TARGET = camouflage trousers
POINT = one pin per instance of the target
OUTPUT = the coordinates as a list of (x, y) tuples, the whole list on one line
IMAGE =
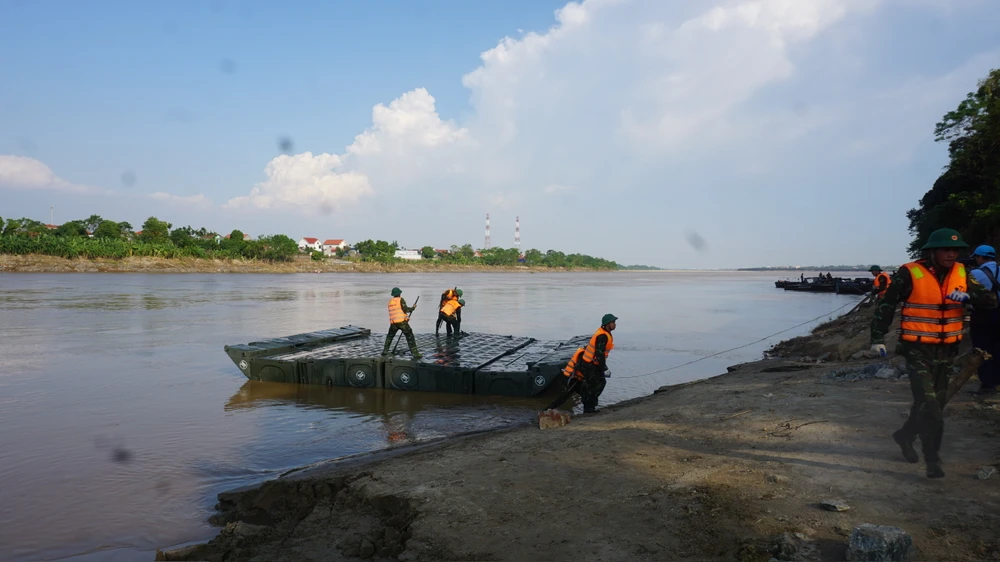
[(929, 368), (592, 386), (407, 332)]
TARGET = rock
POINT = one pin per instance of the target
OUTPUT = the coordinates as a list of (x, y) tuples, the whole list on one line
[(552, 418), (859, 355), (777, 478), (886, 373), (796, 547), (834, 505), (878, 543), (825, 357), (986, 472), (367, 549)]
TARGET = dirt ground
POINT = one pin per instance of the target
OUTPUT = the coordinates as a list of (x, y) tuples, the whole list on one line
[(302, 264), (712, 470)]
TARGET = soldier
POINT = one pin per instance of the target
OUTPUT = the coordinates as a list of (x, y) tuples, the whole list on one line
[(450, 313), (933, 293), (593, 364), (450, 294), (881, 282), (399, 321), (985, 324)]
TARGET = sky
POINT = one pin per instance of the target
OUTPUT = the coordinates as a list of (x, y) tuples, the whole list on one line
[(681, 134)]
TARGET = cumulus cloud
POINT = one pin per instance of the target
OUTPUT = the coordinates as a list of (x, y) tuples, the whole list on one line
[(306, 181), (683, 111), (21, 172)]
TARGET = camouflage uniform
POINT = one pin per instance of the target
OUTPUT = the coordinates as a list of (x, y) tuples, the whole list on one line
[(594, 380), (404, 327), (928, 365)]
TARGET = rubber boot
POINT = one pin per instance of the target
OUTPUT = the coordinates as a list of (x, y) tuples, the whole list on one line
[(906, 446), (934, 469)]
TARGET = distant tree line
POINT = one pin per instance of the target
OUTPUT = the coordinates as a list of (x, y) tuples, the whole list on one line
[(95, 237), (385, 252), (966, 196)]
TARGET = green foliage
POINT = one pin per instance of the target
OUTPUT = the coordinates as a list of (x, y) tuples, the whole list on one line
[(427, 252), (71, 228), (23, 226), (317, 255), (92, 222), (499, 256), (154, 230), (377, 251), (967, 195), (108, 230), (26, 236)]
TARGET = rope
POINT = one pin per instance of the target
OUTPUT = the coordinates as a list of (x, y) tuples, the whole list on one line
[(740, 347)]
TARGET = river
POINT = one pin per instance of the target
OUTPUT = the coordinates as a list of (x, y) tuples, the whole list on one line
[(121, 417)]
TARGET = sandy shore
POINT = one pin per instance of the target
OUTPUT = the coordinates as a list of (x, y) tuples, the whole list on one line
[(712, 470), (53, 264)]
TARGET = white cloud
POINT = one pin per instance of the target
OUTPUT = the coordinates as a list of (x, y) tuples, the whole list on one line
[(195, 200), (669, 111), (305, 181), (21, 172)]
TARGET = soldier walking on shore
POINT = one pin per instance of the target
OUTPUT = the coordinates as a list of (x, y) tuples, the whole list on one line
[(593, 364), (399, 321), (933, 292)]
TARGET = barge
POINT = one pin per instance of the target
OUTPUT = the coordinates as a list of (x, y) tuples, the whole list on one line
[(472, 363)]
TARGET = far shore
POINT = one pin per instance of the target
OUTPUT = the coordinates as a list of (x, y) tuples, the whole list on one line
[(35, 263)]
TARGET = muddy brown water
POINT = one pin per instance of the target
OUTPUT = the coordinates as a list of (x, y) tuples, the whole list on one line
[(121, 417)]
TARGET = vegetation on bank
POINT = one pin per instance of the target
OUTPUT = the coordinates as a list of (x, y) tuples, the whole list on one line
[(96, 238), (966, 196)]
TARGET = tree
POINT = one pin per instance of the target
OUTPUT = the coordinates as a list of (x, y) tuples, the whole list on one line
[(182, 237), (71, 229), (126, 229), (108, 230), (427, 252), (155, 230), (376, 250), (533, 257), (23, 226), (967, 195), (92, 222)]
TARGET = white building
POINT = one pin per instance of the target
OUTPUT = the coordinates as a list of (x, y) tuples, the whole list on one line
[(409, 255), (310, 244), (331, 246)]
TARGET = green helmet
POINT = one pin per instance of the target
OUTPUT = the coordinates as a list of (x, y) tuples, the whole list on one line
[(461, 302), (458, 291), (944, 238), (396, 291), (875, 269), (607, 319)]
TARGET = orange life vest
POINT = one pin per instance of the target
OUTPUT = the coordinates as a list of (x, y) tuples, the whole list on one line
[(570, 369), (396, 314), (927, 317), (878, 281), (448, 295), (588, 354), (450, 307)]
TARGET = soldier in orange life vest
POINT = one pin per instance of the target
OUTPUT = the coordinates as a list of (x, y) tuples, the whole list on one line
[(449, 295), (933, 292), (448, 314), (399, 321), (882, 281), (593, 364)]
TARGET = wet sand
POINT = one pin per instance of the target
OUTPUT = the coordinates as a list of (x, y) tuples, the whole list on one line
[(711, 470)]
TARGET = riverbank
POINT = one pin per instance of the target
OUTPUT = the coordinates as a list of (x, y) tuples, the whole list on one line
[(727, 468), (35, 263)]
